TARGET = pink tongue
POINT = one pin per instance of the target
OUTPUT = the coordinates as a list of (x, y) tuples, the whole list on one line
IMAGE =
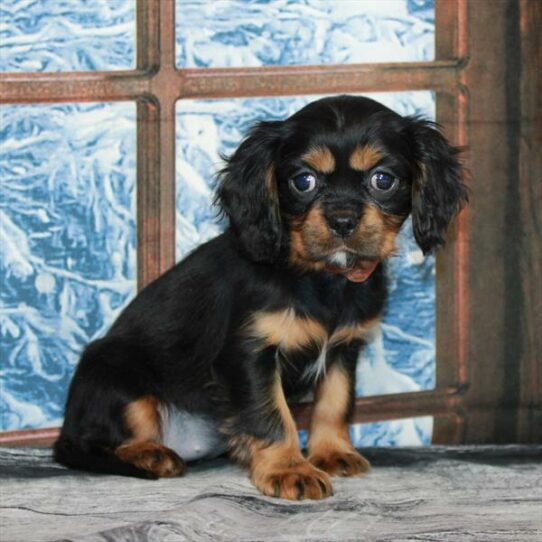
[(360, 273)]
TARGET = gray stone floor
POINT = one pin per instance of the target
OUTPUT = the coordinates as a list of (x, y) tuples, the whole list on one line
[(441, 494)]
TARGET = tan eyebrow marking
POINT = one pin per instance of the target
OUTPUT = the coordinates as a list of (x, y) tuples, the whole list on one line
[(364, 158), (320, 158)]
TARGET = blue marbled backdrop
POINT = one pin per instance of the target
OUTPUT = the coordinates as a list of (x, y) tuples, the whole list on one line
[(270, 32), (67, 207), (67, 35), (67, 265)]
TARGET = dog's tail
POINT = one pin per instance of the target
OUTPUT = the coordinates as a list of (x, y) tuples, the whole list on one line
[(95, 459)]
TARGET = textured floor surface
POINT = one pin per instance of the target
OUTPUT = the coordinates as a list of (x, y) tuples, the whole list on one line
[(440, 494)]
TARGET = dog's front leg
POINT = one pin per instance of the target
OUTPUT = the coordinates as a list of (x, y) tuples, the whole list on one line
[(264, 437), (330, 447)]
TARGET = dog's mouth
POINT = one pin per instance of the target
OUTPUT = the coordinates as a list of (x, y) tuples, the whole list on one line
[(354, 268)]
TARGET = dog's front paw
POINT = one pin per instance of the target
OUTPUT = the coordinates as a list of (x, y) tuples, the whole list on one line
[(294, 481), (338, 462)]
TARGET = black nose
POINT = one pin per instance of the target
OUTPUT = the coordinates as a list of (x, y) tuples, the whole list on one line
[(342, 224)]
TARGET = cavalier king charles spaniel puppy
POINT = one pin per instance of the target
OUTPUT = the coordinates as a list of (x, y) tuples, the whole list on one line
[(207, 358)]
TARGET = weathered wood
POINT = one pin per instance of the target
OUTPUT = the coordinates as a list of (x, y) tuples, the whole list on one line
[(452, 288), (445, 494), (529, 189), (504, 399)]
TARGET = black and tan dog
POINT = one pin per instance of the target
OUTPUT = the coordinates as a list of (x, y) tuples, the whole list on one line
[(206, 358)]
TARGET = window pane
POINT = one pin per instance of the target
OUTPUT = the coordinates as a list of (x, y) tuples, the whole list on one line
[(67, 35), (222, 33), (401, 355), (67, 246), (403, 432)]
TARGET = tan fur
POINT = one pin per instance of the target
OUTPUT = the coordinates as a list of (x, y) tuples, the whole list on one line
[(364, 158), (298, 250), (311, 237), (142, 419), (307, 234), (152, 457), (392, 225), (372, 218), (331, 404), (278, 473), (315, 225), (378, 231), (347, 334), (393, 222), (330, 447), (320, 159), (244, 447), (280, 469), (286, 330)]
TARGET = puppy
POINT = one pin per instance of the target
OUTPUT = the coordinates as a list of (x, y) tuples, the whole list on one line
[(207, 358)]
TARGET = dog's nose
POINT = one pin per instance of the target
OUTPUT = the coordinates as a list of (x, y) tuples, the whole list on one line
[(342, 224)]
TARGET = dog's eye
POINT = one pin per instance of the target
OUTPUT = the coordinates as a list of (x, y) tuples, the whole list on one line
[(305, 182), (383, 182)]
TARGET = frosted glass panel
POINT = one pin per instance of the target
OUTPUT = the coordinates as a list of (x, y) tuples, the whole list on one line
[(67, 246), (222, 33), (401, 354), (67, 35), (403, 432)]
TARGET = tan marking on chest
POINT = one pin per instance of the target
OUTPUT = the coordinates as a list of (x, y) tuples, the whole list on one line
[(347, 334), (286, 329)]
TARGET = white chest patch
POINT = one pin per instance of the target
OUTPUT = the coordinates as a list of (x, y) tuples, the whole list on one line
[(192, 436), (318, 368)]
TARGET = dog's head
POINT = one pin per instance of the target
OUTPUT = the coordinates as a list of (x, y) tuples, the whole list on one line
[(331, 186)]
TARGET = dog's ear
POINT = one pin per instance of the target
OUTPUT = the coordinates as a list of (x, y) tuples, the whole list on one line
[(247, 192), (438, 192)]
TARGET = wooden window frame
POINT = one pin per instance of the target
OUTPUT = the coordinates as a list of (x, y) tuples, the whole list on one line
[(469, 105)]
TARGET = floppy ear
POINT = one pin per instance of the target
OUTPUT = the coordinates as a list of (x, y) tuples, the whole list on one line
[(247, 193), (438, 192)]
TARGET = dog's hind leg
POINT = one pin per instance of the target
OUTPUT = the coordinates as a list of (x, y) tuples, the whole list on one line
[(113, 415), (144, 450)]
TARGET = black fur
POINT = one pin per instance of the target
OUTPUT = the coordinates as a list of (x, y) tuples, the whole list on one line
[(181, 338), (244, 197), (439, 192)]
